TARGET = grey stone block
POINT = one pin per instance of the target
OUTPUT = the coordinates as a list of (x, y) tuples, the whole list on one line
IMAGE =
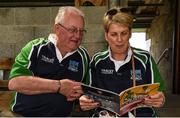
[(54, 11), (6, 16), (32, 16), (42, 31), (94, 14), (95, 33), (93, 48), (16, 34)]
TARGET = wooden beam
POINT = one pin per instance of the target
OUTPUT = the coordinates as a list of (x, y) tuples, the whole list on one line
[(142, 3), (35, 3), (4, 85)]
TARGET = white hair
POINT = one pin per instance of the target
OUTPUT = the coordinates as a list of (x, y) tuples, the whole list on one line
[(60, 15)]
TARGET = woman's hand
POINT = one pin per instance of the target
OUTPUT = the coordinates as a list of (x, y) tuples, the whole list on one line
[(87, 103), (156, 100)]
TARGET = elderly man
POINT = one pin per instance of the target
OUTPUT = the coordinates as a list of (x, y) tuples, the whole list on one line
[(48, 72)]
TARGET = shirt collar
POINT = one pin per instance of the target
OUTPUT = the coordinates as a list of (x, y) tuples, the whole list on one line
[(127, 59), (53, 38)]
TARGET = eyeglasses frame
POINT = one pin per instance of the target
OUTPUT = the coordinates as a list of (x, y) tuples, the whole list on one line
[(73, 30)]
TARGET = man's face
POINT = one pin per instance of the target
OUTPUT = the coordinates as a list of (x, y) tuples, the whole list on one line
[(118, 39), (69, 33)]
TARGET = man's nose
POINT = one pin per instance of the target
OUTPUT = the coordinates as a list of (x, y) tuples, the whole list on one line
[(78, 33)]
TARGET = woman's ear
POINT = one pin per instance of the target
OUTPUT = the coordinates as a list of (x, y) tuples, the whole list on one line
[(106, 36), (130, 34)]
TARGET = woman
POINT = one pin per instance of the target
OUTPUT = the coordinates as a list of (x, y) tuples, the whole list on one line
[(112, 69)]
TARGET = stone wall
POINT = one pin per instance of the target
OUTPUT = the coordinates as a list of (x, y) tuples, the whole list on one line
[(161, 35), (94, 40), (20, 25)]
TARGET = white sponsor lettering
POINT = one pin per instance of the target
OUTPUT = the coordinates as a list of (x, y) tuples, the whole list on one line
[(46, 59), (107, 71)]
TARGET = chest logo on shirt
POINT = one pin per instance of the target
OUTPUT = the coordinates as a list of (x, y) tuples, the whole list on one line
[(107, 71), (47, 59), (138, 74), (73, 66)]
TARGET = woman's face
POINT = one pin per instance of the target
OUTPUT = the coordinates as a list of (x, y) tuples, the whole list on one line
[(118, 39)]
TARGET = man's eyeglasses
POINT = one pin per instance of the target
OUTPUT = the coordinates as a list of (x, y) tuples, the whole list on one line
[(73, 29)]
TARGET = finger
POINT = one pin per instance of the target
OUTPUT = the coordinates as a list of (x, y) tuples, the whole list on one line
[(77, 89), (75, 95), (77, 83), (90, 106), (157, 95), (154, 103), (152, 100), (87, 100), (71, 99)]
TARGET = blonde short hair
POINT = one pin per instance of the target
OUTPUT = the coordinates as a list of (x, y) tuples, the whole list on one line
[(117, 15)]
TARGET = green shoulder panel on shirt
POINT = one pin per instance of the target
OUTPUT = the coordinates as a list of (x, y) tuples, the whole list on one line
[(85, 59), (141, 55), (157, 76), (22, 62), (100, 56), (145, 56)]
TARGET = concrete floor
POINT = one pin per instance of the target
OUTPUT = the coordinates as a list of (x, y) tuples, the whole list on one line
[(5, 98), (171, 107)]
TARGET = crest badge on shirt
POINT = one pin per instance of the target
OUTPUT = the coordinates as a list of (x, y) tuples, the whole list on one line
[(138, 74), (73, 66)]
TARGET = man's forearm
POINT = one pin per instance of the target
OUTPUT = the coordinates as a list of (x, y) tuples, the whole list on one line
[(33, 85)]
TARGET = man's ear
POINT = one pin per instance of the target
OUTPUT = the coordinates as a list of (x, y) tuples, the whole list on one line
[(55, 28)]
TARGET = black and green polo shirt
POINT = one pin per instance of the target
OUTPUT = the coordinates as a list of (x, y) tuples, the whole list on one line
[(38, 58), (103, 74)]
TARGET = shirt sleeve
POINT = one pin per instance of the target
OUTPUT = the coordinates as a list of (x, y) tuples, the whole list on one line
[(85, 62), (22, 62), (156, 74)]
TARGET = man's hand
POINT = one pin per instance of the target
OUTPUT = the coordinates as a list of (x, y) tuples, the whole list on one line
[(71, 89), (156, 100)]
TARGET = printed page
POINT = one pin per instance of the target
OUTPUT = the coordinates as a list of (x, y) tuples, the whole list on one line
[(134, 96), (108, 99)]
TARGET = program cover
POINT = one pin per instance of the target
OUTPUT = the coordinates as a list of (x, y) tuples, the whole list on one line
[(133, 97), (108, 99), (127, 100)]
